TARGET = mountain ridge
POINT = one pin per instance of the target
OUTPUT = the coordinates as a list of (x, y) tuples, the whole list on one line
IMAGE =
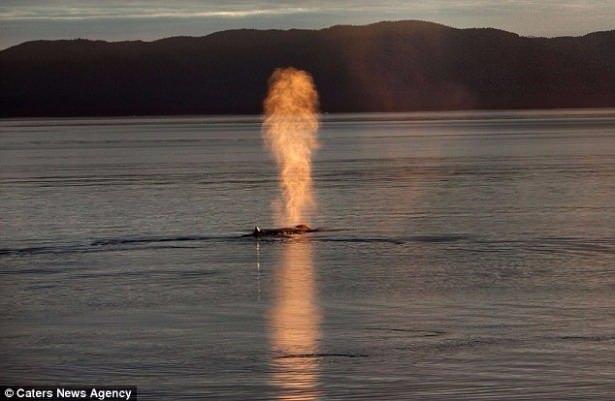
[(386, 66)]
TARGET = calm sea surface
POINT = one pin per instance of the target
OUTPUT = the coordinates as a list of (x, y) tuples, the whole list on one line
[(463, 256)]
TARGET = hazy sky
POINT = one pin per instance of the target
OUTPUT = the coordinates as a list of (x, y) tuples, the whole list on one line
[(22, 20)]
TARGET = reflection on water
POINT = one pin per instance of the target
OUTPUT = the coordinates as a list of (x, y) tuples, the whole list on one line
[(295, 325), (258, 270), (470, 256)]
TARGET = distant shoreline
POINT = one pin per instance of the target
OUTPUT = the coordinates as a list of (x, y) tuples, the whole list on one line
[(418, 116)]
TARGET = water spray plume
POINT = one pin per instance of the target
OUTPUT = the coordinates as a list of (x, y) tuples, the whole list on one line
[(289, 130)]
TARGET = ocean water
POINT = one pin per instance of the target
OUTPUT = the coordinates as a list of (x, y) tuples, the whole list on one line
[(462, 256)]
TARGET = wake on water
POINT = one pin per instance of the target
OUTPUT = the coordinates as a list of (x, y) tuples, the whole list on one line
[(453, 241)]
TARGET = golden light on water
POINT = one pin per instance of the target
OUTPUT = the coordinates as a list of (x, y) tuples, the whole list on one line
[(295, 325), (289, 130)]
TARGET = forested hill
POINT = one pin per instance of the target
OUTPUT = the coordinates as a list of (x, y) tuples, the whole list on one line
[(387, 66)]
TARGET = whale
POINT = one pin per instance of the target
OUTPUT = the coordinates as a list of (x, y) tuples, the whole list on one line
[(280, 232)]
